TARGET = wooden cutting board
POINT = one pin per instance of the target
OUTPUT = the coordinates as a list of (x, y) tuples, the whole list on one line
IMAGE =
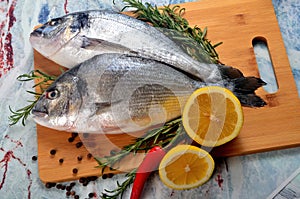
[(236, 24)]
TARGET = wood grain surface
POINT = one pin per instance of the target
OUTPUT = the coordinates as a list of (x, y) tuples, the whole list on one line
[(236, 24)]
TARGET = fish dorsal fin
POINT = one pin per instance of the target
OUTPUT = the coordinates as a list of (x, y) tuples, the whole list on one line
[(95, 43)]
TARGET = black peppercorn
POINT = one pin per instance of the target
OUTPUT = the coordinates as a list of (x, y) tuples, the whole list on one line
[(52, 151), (79, 144), (73, 193), (89, 155), (34, 158), (68, 188), (74, 135), (85, 183), (82, 180), (92, 178), (50, 184), (63, 187), (70, 139), (61, 160), (104, 176), (59, 186), (110, 175), (91, 195), (79, 158), (75, 170), (68, 193), (72, 184), (76, 197)]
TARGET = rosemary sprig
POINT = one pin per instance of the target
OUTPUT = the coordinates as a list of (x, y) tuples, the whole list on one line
[(163, 136), (121, 188), (43, 82), (171, 18)]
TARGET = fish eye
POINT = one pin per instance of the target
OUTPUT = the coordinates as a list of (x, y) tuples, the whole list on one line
[(52, 94), (52, 23), (55, 22)]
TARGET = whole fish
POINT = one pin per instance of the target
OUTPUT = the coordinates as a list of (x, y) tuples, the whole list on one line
[(114, 93), (76, 37)]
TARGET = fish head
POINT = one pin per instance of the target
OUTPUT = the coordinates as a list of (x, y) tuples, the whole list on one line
[(59, 105), (49, 38)]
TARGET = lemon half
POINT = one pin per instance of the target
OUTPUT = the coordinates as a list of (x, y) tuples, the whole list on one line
[(212, 116), (186, 167)]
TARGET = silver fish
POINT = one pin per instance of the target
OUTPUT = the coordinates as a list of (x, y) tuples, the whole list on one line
[(76, 37), (114, 93)]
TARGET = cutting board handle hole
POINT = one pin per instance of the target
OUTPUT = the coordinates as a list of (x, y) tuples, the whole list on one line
[(265, 64)]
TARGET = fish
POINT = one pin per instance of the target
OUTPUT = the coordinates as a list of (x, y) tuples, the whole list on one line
[(116, 93), (73, 38)]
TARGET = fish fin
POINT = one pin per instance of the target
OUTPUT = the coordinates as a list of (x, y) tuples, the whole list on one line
[(244, 89), (94, 43), (102, 107), (250, 100), (248, 84), (229, 72)]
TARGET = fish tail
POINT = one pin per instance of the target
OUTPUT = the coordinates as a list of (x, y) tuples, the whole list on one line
[(243, 87)]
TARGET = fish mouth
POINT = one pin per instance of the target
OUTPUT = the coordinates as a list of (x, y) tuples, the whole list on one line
[(40, 113), (36, 33), (39, 40)]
